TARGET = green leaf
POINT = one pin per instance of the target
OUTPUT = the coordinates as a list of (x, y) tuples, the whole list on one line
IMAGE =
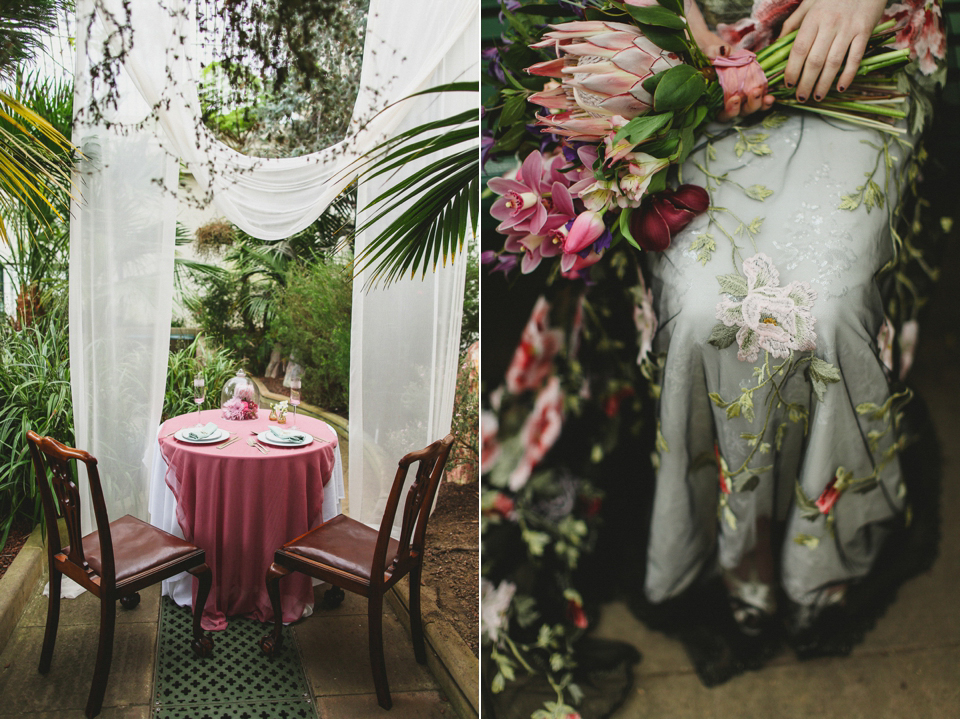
[(747, 485), (640, 128), (758, 192), (666, 38), (623, 222), (659, 16), (805, 540), (808, 509), (675, 6), (717, 400), (733, 284), (722, 336), (704, 246), (680, 87), (514, 108), (658, 182)]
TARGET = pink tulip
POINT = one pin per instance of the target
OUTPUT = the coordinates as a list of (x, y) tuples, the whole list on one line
[(586, 230), (571, 266)]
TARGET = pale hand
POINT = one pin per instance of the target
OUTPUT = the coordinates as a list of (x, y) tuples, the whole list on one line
[(828, 31)]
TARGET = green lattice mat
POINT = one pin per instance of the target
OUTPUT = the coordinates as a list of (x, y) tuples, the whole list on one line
[(237, 682)]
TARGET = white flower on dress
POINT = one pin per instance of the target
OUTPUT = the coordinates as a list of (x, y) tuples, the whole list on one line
[(494, 602), (770, 318)]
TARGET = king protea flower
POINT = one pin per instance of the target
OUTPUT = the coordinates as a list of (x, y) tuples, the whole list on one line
[(602, 66)]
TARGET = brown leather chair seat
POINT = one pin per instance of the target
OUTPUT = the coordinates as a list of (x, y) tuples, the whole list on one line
[(138, 547), (344, 544)]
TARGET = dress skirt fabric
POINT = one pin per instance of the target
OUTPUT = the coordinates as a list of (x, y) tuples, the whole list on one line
[(774, 399)]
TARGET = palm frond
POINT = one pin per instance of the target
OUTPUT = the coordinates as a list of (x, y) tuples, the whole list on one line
[(34, 161), (437, 204)]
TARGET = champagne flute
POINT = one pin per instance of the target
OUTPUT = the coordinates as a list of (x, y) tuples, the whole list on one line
[(199, 394), (294, 399)]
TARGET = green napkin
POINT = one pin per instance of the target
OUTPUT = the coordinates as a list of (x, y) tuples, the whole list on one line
[(201, 433), (285, 435)]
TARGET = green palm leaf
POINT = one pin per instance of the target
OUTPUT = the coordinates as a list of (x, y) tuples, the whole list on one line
[(437, 204)]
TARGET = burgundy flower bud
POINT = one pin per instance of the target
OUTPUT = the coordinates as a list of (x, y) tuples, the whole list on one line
[(649, 229), (691, 197), (662, 215)]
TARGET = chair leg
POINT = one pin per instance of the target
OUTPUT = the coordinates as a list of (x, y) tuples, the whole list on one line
[(53, 620), (108, 620), (270, 643), (416, 623), (375, 620), (202, 644)]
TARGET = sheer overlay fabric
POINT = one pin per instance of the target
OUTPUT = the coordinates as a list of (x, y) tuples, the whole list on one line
[(739, 441)]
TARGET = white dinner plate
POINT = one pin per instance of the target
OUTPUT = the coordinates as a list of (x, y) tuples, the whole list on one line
[(265, 438), (218, 436)]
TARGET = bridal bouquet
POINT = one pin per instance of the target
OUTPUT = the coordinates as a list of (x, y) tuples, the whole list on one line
[(627, 95)]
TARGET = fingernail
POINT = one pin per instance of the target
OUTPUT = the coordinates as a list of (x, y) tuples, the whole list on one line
[(723, 49), (787, 83), (802, 98), (841, 88), (818, 98)]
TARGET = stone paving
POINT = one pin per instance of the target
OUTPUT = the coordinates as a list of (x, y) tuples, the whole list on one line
[(909, 665), (334, 648)]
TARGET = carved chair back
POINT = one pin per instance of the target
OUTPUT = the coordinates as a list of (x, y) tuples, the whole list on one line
[(416, 509), (60, 496)]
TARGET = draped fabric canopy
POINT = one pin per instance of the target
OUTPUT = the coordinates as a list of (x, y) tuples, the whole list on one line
[(123, 224)]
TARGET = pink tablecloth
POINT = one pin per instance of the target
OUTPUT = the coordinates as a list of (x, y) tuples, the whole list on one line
[(240, 506)]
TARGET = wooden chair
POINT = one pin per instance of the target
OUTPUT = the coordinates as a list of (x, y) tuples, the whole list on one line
[(115, 562), (353, 556)]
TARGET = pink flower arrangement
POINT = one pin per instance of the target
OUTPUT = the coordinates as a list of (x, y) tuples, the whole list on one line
[(771, 318), (237, 408), (533, 359)]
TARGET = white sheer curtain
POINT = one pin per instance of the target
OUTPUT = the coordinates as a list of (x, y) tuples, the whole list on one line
[(122, 224), (405, 338)]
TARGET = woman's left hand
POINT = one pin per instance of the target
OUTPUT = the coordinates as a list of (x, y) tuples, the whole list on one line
[(828, 31)]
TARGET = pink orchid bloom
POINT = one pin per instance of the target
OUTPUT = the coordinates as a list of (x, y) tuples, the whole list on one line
[(537, 200), (586, 230), (756, 31), (489, 446), (533, 359), (540, 432), (645, 320), (922, 31)]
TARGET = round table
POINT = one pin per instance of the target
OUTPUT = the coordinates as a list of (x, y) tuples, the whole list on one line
[(240, 505)]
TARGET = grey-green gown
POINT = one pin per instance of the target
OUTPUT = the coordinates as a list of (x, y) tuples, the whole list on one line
[(838, 253)]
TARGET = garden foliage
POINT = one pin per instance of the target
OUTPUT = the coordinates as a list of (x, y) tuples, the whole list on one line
[(313, 325)]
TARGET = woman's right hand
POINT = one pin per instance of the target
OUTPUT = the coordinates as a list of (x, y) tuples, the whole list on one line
[(747, 102)]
